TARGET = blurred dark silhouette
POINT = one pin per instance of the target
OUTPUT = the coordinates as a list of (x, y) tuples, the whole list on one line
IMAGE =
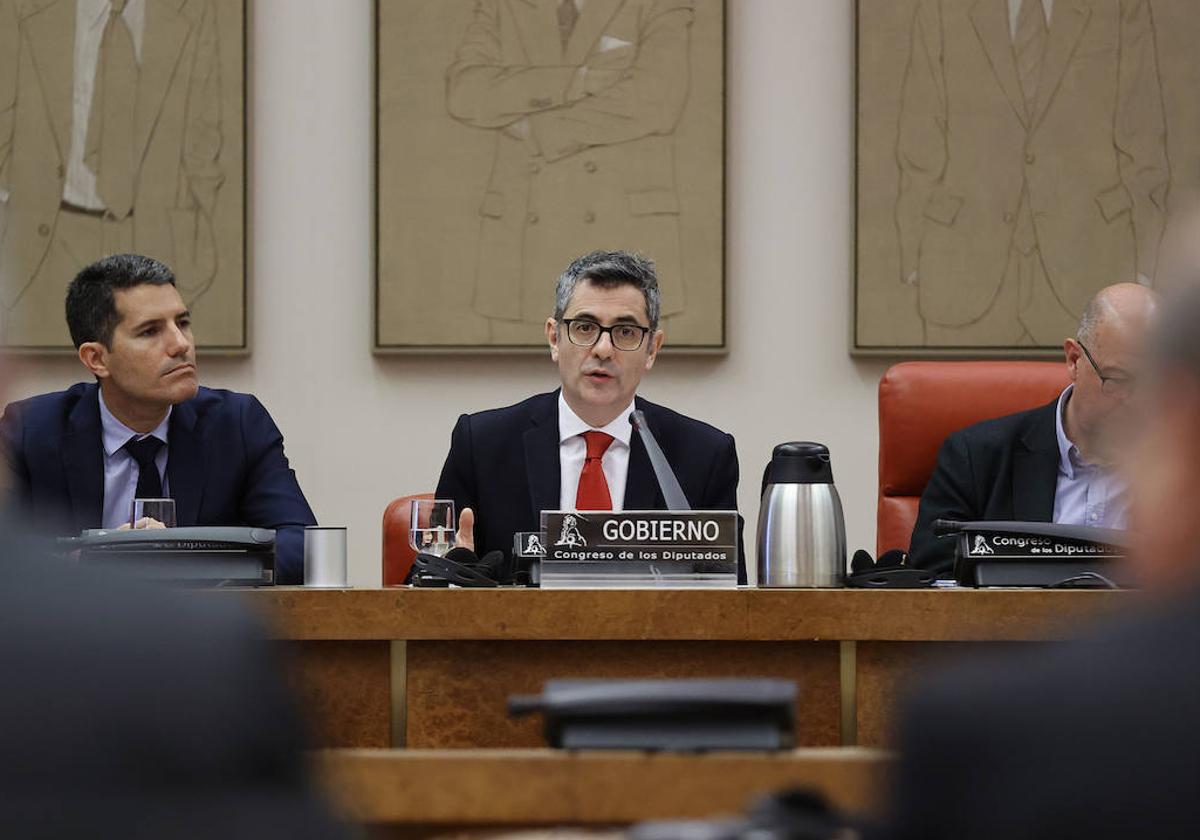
[(133, 711)]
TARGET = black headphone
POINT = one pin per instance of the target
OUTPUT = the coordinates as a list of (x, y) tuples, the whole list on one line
[(461, 567), (891, 571)]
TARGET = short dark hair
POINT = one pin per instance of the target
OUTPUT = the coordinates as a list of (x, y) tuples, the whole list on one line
[(91, 306), (608, 269)]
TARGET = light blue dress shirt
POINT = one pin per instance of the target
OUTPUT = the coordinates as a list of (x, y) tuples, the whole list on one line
[(120, 470), (1085, 494)]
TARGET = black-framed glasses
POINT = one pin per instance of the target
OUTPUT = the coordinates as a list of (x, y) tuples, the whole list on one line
[(585, 332), (1112, 386)]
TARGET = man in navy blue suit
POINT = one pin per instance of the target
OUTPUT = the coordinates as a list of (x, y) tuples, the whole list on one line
[(574, 449), (145, 429)]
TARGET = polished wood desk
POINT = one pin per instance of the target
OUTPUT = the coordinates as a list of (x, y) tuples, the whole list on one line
[(429, 792), (433, 668)]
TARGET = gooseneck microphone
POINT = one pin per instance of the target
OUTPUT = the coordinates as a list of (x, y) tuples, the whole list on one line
[(667, 482)]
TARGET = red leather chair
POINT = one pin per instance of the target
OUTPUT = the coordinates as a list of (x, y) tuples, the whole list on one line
[(920, 403), (398, 555)]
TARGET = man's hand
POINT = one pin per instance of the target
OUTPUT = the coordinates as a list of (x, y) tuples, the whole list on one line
[(146, 522), (466, 530)]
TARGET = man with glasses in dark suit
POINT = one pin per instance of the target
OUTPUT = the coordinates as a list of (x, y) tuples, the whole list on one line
[(1054, 463), (574, 448)]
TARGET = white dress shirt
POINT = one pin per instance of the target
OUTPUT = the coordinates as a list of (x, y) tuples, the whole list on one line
[(91, 16), (120, 470), (572, 452), (1014, 11)]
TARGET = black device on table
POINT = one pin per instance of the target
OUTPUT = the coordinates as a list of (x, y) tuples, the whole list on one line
[(194, 556), (665, 715), (1036, 554)]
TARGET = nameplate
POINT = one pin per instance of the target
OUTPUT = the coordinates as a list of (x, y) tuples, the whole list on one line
[(639, 548), (641, 536), (992, 546)]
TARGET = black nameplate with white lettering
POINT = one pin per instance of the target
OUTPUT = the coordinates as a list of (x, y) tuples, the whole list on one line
[(680, 547), (988, 545)]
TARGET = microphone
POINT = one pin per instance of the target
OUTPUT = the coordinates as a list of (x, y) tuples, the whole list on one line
[(667, 482), (946, 527)]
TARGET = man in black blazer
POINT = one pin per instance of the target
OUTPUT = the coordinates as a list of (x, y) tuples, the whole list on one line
[(574, 448), (1054, 463), (1094, 739), (77, 458)]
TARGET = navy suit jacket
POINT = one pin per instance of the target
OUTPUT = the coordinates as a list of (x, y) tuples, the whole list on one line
[(225, 466), (503, 464)]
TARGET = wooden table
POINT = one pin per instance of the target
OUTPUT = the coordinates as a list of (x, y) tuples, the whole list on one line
[(426, 792), (433, 668)]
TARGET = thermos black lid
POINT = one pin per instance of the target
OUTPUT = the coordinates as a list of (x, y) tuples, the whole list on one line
[(799, 462)]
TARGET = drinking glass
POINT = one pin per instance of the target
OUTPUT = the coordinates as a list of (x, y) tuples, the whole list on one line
[(432, 528), (161, 510)]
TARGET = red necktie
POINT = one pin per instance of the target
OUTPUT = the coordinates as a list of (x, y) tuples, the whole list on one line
[(593, 486)]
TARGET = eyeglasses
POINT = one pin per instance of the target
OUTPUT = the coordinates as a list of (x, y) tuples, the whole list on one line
[(1110, 386), (585, 332)]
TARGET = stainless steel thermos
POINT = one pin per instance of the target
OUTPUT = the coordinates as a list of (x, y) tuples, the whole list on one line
[(801, 531)]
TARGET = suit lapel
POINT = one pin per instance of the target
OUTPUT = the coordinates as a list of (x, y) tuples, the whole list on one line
[(990, 19), (162, 45), (537, 27), (1035, 468), (641, 485), (50, 30), (83, 458), (595, 16), (1067, 23), (541, 456), (185, 463)]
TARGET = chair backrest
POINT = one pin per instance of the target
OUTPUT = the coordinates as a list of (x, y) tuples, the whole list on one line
[(398, 555), (921, 403)]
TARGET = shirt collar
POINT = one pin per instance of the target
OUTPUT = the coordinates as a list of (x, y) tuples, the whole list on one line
[(117, 434), (570, 424), (1069, 457)]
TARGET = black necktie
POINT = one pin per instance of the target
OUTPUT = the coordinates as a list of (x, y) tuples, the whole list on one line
[(144, 451)]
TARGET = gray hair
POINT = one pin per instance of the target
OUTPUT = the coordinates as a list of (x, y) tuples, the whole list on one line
[(1094, 315), (608, 269)]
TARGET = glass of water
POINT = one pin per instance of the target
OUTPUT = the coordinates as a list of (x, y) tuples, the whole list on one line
[(432, 528), (159, 510)]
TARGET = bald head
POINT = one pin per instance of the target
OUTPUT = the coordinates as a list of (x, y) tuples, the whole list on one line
[(1103, 363), (1122, 310)]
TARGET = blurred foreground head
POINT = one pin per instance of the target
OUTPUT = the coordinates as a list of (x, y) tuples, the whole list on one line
[(133, 711), (1166, 462)]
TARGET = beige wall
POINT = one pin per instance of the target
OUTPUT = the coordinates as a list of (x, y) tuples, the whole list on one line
[(361, 430)]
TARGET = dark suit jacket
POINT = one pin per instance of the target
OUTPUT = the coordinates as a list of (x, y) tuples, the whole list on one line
[(133, 711), (1094, 739), (225, 466), (1002, 469), (504, 465)]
